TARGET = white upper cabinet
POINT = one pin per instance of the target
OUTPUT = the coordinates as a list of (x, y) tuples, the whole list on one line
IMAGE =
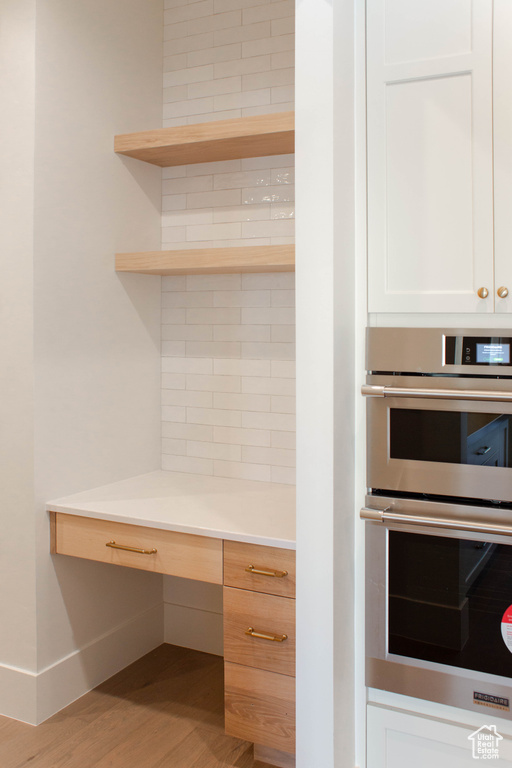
[(430, 155), (502, 88)]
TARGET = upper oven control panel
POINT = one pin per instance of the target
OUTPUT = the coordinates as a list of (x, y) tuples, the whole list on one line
[(439, 351), (477, 350)]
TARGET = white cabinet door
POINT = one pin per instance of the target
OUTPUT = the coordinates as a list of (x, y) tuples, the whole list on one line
[(430, 200), (503, 152), (399, 740)]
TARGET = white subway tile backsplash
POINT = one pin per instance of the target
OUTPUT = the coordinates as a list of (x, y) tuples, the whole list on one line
[(189, 11), (263, 280), (175, 93), (173, 381), (174, 447), (272, 351), (209, 416), (277, 456), (283, 440), (189, 432), (268, 386), (189, 75), (241, 333), (241, 367), (214, 315), (241, 34), (216, 198), (283, 26), (215, 87), (228, 231), (228, 387), (213, 348), (217, 21), (268, 315), (283, 369), (173, 348), (221, 53), (173, 413), (281, 422), (187, 299), (242, 471), (225, 452), (189, 464), (272, 228), (231, 282), (269, 79), (187, 332), (282, 404), (213, 383), (187, 44), (284, 333), (242, 66), (199, 366), (283, 475), (240, 402), (259, 437), (269, 45)]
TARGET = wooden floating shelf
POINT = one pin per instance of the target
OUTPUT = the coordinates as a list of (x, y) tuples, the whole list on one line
[(209, 142), (210, 261)]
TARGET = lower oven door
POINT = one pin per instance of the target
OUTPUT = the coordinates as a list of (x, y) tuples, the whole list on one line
[(439, 604), (455, 440)]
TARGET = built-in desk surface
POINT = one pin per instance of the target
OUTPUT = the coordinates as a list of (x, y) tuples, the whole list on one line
[(236, 510)]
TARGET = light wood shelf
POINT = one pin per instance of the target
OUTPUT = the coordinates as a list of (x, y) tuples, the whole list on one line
[(255, 136), (209, 261)]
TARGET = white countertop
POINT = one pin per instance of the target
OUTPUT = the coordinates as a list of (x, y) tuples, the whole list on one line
[(239, 510)]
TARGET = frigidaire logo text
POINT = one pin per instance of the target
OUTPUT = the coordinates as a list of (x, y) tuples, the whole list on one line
[(488, 700)]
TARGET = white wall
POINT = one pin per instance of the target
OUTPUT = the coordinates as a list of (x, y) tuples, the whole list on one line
[(325, 194), (96, 369), (17, 566)]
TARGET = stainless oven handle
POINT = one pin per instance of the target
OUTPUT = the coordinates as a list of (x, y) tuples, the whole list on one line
[(373, 390), (385, 516)]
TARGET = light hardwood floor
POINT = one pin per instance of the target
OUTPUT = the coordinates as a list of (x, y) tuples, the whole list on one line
[(164, 711)]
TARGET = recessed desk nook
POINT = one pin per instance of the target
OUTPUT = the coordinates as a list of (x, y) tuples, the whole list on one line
[(233, 532)]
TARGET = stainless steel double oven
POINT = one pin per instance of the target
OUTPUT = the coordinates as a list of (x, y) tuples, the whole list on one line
[(439, 515)]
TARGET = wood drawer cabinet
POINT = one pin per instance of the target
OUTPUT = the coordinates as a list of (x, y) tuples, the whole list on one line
[(177, 554), (270, 617), (259, 647), (260, 706), (243, 561)]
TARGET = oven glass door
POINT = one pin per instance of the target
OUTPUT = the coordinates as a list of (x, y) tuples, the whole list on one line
[(445, 447), (450, 601)]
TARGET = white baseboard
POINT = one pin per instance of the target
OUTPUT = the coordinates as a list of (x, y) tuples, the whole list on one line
[(33, 698), (193, 628)]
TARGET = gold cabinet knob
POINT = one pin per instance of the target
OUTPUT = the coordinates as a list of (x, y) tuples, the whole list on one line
[(502, 292), (483, 293)]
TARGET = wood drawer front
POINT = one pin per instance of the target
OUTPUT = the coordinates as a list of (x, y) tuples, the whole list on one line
[(239, 556), (178, 554), (260, 706), (266, 614)]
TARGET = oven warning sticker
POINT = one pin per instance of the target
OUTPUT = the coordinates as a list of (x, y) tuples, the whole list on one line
[(506, 628)]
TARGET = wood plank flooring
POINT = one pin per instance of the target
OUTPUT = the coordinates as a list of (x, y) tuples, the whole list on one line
[(164, 711)]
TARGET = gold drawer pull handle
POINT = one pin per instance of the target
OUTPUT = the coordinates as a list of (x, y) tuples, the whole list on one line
[(277, 574), (131, 549), (264, 636)]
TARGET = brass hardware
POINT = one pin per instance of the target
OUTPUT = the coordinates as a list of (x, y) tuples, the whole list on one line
[(264, 636), (131, 549), (259, 572), (483, 293), (502, 292)]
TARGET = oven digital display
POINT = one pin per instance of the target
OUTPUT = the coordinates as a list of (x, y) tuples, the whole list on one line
[(493, 353)]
